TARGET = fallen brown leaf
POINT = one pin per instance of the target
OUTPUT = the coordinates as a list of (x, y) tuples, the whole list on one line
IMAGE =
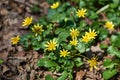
[(80, 75)]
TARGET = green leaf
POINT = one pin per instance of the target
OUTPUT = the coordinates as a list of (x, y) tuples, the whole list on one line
[(36, 47), (78, 62), (113, 38), (113, 51), (51, 14), (70, 76), (58, 30), (82, 4), (68, 65), (103, 46), (82, 25), (93, 15), (81, 47), (41, 62), (64, 76), (1, 61), (43, 45), (52, 56), (49, 77), (67, 46), (115, 41), (103, 33), (109, 74), (63, 35), (49, 63), (108, 63), (115, 3), (42, 21), (26, 40), (55, 16)]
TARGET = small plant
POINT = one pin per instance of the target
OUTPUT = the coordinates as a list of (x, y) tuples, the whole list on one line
[(67, 33)]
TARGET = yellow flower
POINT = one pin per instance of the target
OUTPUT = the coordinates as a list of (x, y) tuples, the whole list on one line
[(85, 38), (91, 34), (93, 63), (74, 42), (74, 33), (27, 21), (64, 53), (81, 13), (15, 40), (51, 45), (37, 29), (55, 5), (109, 25)]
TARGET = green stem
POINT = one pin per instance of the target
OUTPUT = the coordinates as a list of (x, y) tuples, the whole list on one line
[(80, 56), (103, 8)]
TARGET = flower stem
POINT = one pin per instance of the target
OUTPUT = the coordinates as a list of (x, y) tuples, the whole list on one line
[(103, 8), (80, 56)]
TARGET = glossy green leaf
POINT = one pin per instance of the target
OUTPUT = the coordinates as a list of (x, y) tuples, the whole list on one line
[(49, 63), (103, 33), (82, 4), (113, 51), (67, 46), (64, 76), (103, 46), (49, 77), (41, 62), (63, 35), (115, 40), (108, 63), (81, 47), (115, 3), (109, 74), (59, 30), (78, 62)]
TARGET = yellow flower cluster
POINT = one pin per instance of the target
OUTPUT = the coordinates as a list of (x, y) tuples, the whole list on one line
[(51, 45), (89, 36), (93, 63), (64, 53), (81, 13), (74, 34), (55, 5), (37, 29), (27, 21), (15, 40), (109, 25)]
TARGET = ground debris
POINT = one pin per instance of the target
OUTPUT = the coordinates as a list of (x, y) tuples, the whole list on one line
[(80, 75)]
